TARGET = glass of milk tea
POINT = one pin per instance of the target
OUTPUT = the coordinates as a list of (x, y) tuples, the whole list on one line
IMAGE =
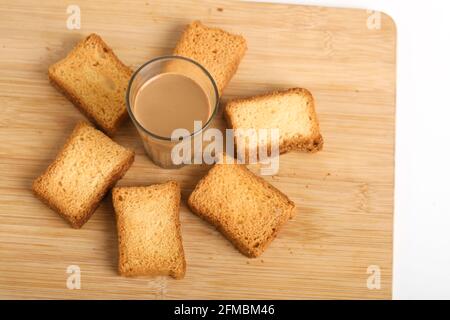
[(170, 100)]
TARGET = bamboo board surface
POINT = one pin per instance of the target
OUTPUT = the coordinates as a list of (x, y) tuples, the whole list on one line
[(344, 194)]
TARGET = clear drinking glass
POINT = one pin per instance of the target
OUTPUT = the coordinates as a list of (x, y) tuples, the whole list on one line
[(159, 148)]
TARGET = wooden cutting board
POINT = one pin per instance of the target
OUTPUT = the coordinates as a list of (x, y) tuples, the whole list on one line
[(344, 194)]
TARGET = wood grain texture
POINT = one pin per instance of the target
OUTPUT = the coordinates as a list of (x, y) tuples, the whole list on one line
[(344, 193)]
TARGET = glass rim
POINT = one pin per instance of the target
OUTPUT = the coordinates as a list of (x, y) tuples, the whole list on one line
[(171, 57)]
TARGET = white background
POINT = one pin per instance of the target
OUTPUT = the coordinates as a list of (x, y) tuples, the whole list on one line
[(422, 196)]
